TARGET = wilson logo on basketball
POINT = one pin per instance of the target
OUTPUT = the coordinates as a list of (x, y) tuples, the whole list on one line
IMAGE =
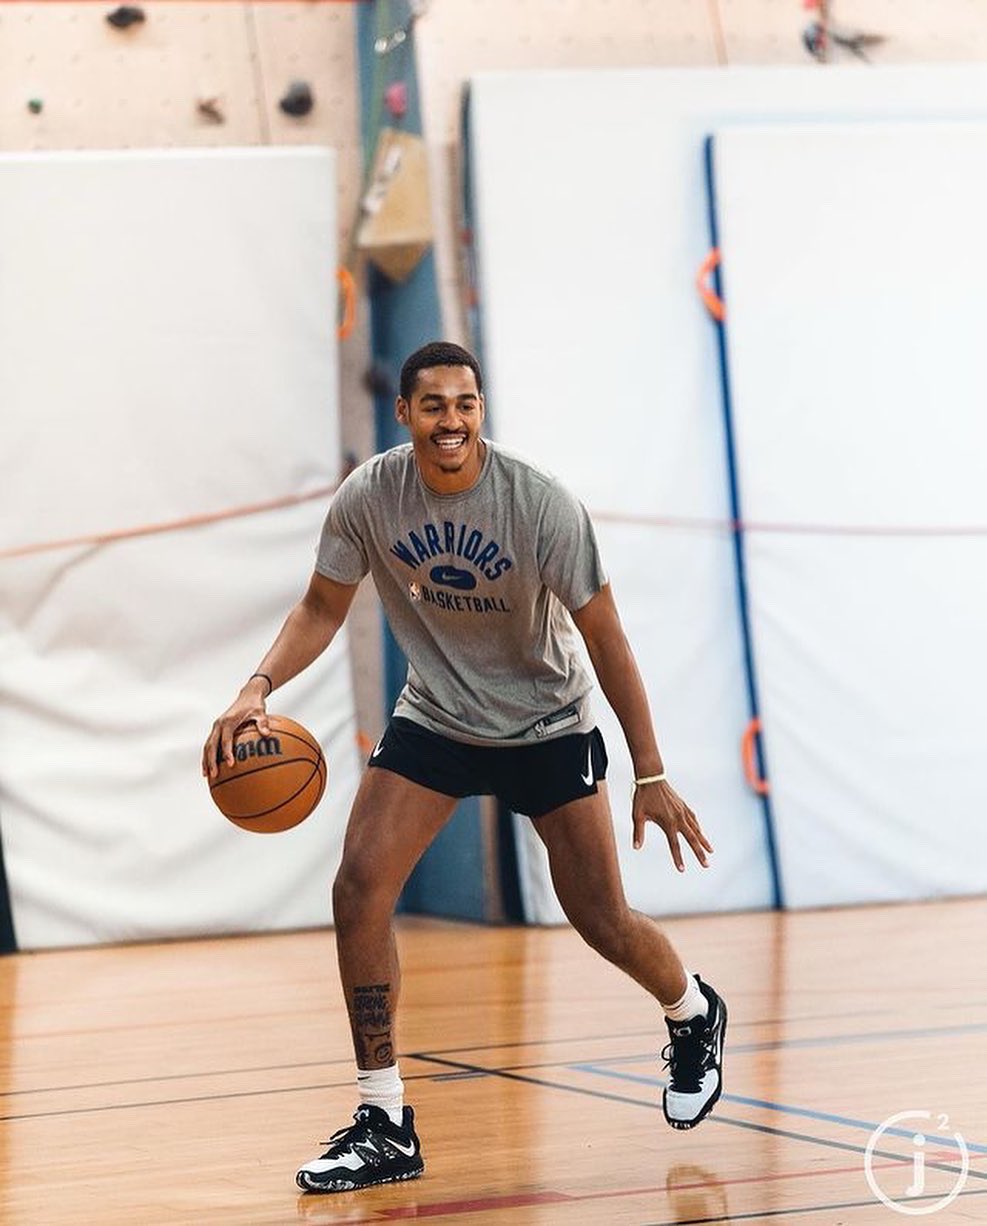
[(275, 780), (263, 747)]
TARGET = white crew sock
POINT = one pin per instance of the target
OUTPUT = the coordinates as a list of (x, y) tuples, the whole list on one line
[(382, 1087), (690, 1004)]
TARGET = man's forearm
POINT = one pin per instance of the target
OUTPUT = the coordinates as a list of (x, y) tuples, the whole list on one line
[(619, 678), (304, 636)]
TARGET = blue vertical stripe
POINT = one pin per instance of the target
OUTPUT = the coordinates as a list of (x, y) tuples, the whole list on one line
[(738, 535)]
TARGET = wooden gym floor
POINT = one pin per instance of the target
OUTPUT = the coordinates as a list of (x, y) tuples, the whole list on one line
[(181, 1083)]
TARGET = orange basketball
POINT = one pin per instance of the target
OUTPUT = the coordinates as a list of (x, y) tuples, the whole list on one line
[(275, 781)]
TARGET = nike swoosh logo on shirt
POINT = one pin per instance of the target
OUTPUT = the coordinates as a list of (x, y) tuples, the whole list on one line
[(588, 777), (452, 576)]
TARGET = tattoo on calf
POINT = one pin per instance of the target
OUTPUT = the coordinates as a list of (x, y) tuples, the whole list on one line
[(372, 1025)]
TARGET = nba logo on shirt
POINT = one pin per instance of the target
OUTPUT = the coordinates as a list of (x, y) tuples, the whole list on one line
[(415, 591)]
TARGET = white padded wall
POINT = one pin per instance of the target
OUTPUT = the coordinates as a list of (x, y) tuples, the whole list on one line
[(592, 364), (853, 268), (591, 224), (167, 349)]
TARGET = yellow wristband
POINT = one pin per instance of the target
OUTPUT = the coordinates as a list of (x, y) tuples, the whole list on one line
[(650, 779)]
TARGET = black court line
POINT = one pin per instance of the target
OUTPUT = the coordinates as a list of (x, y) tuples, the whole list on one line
[(137, 1081), (442, 1051), (449, 1051), (713, 1119), (461, 1072), (215, 1098), (825, 1208), (167, 1102), (347, 1060), (506, 1074), (635, 1058)]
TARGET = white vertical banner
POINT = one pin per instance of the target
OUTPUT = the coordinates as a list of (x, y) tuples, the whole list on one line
[(593, 340), (167, 352), (853, 273)]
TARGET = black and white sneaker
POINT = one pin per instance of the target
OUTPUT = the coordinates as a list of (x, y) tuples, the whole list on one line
[(371, 1151), (694, 1058)]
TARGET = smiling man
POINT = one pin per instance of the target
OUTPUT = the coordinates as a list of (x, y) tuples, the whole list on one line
[(485, 566)]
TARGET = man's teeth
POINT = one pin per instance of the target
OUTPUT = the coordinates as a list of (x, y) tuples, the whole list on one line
[(450, 444)]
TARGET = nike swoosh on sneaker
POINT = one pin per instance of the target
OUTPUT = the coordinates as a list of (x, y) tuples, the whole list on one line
[(588, 777), (408, 1153)]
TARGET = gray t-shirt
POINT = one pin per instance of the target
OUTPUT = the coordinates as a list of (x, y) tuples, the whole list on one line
[(475, 587)]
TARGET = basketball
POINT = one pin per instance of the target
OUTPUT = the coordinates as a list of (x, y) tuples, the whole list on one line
[(275, 781)]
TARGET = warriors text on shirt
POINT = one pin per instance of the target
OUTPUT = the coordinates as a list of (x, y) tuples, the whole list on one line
[(456, 540)]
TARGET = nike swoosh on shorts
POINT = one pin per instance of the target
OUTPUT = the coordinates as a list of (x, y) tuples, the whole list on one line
[(588, 777)]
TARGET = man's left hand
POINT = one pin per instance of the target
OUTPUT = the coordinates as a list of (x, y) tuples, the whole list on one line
[(661, 804)]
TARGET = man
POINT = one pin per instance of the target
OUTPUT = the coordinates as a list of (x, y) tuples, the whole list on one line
[(483, 564)]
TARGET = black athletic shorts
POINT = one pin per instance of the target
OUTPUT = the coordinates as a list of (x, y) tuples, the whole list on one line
[(530, 779)]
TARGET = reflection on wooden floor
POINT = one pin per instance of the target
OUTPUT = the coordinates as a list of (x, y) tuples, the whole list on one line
[(182, 1083)]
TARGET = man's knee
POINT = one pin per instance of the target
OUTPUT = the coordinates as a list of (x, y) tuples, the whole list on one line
[(358, 896), (605, 929)]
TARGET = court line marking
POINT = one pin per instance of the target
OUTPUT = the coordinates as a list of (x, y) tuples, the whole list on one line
[(271, 1068), (787, 1109), (521, 1045), (650, 1104), (718, 1118), (880, 1036), (841, 1040), (466, 1071), (321, 1010), (763, 1213), (896, 1159), (452, 1208)]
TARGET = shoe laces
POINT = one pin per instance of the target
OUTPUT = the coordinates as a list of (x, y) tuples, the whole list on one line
[(345, 1140), (688, 1056)]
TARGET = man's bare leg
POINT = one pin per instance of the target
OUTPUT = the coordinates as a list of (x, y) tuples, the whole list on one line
[(582, 855), (585, 872), (392, 822)]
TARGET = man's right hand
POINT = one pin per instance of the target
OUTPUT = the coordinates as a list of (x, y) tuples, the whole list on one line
[(248, 707)]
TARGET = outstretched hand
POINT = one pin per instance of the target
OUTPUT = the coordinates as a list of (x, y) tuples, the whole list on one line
[(660, 803)]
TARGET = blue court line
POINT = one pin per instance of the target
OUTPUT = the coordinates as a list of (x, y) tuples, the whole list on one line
[(784, 1108), (842, 1040), (880, 1036)]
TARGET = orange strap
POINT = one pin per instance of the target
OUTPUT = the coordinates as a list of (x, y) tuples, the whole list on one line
[(750, 762), (171, 525), (714, 304), (348, 287)]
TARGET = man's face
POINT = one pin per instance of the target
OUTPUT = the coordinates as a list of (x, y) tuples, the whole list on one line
[(444, 415)]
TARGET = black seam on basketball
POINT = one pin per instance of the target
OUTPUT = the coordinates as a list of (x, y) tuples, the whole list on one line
[(254, 770), (250, 817)]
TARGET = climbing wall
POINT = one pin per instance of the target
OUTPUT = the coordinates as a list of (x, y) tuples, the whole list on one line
[(460, 38), (139, 88)]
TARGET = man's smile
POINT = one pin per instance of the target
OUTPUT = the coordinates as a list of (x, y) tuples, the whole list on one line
[(450, 443)]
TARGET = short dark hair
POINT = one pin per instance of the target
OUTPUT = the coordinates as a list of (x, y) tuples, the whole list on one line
[(436, 353)]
